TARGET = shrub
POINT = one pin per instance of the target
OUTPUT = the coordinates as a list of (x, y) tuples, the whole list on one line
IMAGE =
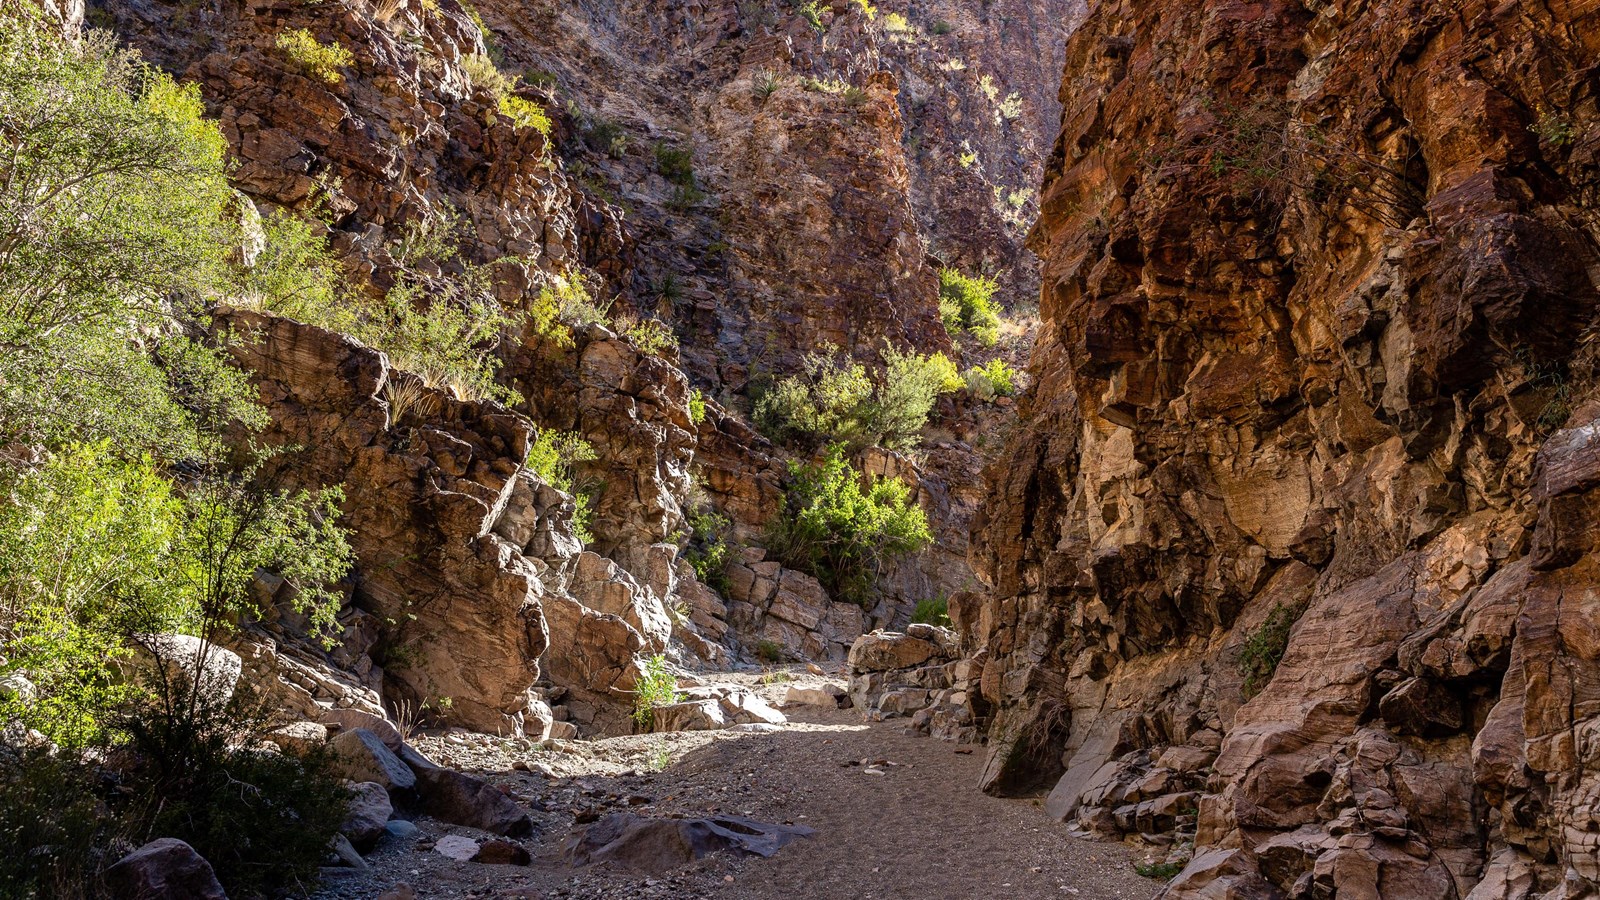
[(765, 82), (448, 344), (991, 380), (769, 651), (709, 551), (842, 533), (1159, 871), (525, 113), (484, 74), (935, 611), (262, 819), (56, 830), (895, 23), (812, 13), (605, 136), (827, 401), (555, 455), (1264, 648), (697, 406), (655, 687), (867, 9), (1553, 128), (967, 304), (967, 160), (676, 164), (1009, 108), (941, 27), (911, 385), (315, 59), (651, 336)]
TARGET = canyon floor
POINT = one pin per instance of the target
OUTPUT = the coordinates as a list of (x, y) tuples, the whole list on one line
[(919, 830)]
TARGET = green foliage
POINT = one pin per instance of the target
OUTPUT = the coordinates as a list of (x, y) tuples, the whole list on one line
[(867, 9), (606, 136), (1159, 871), (827, 401), (812, 13), (934, 611), (834, 400), (485, 75), (655, 687), (318, 60), (555, 455), (896, 23), (911, 385), (769, 651), (697, 406), (448, 344), (95, 550), (1264, 648), (294, 274), (525, 113), (1554, 128), (113, 202), (967, 304), (841, 532), (676, 164), (54, 827), (765, 82), (651, 336), (1009, 108), (993, 379), (709, 550), (941, 27)]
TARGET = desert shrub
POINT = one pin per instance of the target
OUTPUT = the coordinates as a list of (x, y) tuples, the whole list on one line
[(676, 164), (484, 74), (992, 379), (1264, 648), (812, 13), (294, 274), (867, 9), (765, 82), (100, 236), (904, 398), (941, 27), (967, 304), (697, 406), (841, 532), (896, 23), (934, 611), (655, 687), (604, 135), (56, 830), (827, 401), (651, 336), (262, 819), (555, 456), (1159, 871), (709, 550), (316, 59), (769, 651), (525, 113), (448, 344), (1009, 108)]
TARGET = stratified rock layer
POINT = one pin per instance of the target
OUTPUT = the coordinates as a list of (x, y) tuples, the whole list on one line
[(1316, 284)]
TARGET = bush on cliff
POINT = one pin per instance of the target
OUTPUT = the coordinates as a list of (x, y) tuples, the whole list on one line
[(966, 303), (843, 532), (834, 400)]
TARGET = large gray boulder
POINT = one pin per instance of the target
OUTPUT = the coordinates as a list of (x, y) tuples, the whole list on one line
[(164, 869), (360, 755)]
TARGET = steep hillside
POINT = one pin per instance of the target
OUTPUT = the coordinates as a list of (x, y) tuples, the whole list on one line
[(1313, 381)]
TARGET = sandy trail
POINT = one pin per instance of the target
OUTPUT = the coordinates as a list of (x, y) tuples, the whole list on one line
[(919, 831)]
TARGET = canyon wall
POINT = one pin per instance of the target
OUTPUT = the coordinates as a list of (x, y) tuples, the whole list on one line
[(1318, 294)]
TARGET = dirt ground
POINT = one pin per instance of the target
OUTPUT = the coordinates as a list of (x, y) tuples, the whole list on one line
[(918, 831)]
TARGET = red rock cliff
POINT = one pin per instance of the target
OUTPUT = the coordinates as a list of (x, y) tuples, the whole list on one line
[(1318, 286)]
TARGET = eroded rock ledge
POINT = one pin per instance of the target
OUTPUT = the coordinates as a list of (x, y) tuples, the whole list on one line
[(1315, 288)]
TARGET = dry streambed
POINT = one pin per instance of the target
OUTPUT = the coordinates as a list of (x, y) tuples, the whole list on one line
[(893, 815)]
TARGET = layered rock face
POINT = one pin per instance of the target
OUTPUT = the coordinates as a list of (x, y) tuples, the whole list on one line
[(1318, 281)]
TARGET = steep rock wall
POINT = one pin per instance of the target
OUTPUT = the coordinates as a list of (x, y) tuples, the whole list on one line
[(1318, 280)]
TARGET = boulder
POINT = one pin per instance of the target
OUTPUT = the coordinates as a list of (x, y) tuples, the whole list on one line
[(164, 869), (457, 847), (350, 719), (360, 755), (502, 853), (462, 799), (299, 737), (883, 651), (691, 715), (177, 658), (368, 815), (650, 845), (827, 695)]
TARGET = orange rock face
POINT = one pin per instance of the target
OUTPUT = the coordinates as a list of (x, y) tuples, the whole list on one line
[(1317, 280)]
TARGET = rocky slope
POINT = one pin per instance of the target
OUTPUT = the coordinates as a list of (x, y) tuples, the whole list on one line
[(767, 180), (1318, 287)]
